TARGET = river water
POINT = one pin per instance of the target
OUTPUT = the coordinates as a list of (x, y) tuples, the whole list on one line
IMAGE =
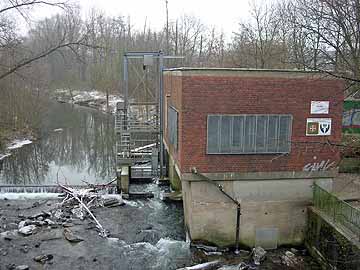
[(75, 144)]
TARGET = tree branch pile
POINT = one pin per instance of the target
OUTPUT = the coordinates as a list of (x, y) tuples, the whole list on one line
[(80, 201)]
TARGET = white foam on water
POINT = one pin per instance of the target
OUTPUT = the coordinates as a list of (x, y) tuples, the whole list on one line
[(131, 203), (163, 255), (45, 195), (29, 196)]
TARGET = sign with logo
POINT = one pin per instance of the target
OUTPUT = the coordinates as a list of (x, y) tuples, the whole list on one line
[(318, 127), (319, 107)]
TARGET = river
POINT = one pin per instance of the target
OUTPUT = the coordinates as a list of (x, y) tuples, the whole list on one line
[(75, 144)]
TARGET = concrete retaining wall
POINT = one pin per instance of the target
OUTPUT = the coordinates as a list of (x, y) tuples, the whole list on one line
[(273, 202)]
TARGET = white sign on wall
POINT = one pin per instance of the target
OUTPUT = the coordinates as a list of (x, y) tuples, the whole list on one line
[(318, 126), (319, 107)]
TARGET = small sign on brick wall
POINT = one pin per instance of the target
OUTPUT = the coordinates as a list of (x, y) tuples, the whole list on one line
[(318, 127), (319, 107)]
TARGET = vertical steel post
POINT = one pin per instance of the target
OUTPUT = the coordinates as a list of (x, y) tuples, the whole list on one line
[(237, 240), (126, 83), (161, 106)]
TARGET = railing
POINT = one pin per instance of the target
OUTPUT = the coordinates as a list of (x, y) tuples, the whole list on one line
[(338, 210)]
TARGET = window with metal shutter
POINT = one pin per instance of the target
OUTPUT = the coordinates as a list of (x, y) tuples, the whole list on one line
[(249, 134)]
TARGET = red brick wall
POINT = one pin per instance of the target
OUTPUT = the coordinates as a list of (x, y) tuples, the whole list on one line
[(173, 94), (197, 96)]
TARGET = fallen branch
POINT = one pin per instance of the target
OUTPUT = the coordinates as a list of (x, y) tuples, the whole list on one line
[(97, 187), (75, 194)]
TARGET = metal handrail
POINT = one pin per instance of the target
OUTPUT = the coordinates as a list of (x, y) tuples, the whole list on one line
[(340, 211)]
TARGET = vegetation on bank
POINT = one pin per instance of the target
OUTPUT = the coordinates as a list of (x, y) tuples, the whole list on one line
[(350, 154)]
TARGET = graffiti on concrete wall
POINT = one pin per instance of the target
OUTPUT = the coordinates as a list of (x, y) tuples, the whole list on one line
[(323, 165)]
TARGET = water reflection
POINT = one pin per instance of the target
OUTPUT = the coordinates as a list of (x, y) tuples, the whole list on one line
[(83, 150)]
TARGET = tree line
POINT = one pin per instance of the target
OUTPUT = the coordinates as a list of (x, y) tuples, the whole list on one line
[(68, 51)]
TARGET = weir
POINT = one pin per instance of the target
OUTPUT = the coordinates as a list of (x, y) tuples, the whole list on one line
[(48, 189)]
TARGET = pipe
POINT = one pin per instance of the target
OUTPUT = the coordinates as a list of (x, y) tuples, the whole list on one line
[(236, 202)]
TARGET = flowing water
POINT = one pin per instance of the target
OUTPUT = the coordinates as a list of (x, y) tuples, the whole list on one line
[(77, 144)]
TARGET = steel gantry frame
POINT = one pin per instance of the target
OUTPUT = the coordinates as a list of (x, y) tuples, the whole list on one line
[(125, 127)]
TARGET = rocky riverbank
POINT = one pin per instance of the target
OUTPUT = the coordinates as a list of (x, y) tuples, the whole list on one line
[(142, 235)]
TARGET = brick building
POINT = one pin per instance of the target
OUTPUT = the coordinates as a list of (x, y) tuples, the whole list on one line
[(264, 135)]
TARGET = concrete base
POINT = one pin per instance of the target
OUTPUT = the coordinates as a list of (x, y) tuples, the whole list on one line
[(174, 178), (274, 204), (125, 179)]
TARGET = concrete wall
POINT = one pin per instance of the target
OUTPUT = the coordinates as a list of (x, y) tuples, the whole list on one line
[(278, 203)]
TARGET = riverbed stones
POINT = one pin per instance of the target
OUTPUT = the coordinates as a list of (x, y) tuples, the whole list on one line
[(27, 230), (22, 224), (43, 258), (71, 237), (22, 267), (258, 255)]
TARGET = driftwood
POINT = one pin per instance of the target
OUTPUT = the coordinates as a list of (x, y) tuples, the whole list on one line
[(97, 187), (204, 266), (79, 195)]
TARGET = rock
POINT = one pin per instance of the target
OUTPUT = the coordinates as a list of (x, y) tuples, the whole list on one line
[(67, 224), (78, 212), (43, 258), (49, 222), (289, 259), (22, 224), (37, 245), (294, 250), (4, 253), (41, 216), (27, 230), (71, 237), (24, 249), (10, 266), (258, 255), (46, 214), (35, 204), (22, 267), (113, 202), (243, 266), (8, 235), (58, 214), (289, 254)]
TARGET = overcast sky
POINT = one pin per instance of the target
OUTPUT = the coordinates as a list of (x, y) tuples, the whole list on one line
[(224, 14)]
